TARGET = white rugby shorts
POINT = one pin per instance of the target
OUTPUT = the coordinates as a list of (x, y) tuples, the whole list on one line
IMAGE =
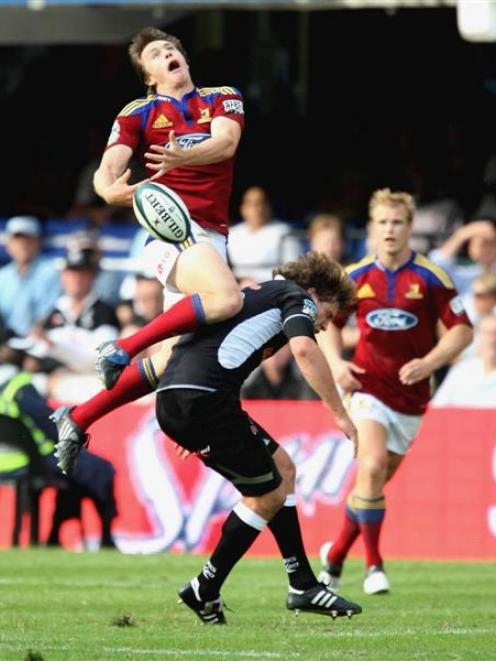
[(401, 428), (160, 257)]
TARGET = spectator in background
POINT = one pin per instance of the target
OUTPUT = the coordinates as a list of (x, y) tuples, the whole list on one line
[(472, 382), (277, 377), (146, 304), (79, 321), (107, 283), (326, 235), (482, 301), (29, 284), (479, 239), (259, 242)]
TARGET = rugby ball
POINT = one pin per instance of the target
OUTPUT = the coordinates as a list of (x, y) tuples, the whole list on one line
[(161, 212)]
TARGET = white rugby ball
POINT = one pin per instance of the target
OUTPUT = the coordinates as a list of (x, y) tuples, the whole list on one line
[(161, 212)]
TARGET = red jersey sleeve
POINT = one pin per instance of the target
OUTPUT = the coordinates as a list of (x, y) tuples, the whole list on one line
[(230, 104), (127, 127), (449, 306)]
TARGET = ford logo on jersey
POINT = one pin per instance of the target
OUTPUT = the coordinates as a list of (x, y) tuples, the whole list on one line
[(391, 319), (190, 140)]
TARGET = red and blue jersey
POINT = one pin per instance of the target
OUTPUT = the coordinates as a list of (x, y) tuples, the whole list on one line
[(205, 189), (397, 316)]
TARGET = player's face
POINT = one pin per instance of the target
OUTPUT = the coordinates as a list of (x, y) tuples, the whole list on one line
[(390, 230), (326, 310), (164, 64)]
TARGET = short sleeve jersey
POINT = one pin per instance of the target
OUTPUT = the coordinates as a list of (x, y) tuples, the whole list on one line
[(221, 356), (397, 315), (205, 189)]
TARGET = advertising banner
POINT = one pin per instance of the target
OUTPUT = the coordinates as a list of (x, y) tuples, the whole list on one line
[(440, 505)]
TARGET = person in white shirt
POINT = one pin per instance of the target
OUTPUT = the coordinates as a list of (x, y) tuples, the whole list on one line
[(259, 243), (471, 383)]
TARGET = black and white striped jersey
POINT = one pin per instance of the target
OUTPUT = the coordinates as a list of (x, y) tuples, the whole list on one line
[(221, 356)]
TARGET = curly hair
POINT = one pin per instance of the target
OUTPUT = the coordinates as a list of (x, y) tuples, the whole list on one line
[(145, 37), (325, 275)]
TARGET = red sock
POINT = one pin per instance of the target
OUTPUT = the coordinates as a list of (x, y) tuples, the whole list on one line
[(183, 317), (347, 535), (370, 514), (136, 380)]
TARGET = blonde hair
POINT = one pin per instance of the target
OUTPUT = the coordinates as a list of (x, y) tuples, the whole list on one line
[(386, 197)]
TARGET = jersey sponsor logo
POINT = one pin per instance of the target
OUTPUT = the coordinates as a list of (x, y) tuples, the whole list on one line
[(190, 140), (114, 133), (456, 305), (161, 122), (365, 291), (204, 116), (414, 291), (310, 309), (391, 319), (234, 106)]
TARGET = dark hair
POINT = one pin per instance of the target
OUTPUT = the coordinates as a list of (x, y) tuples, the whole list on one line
[(325, 275), (145, 37)]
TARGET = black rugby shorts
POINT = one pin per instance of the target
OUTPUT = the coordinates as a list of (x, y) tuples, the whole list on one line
[(225, 438)]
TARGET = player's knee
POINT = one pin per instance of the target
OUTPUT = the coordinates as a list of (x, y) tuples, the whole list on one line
[(287, 470), (272, 502), (374, 467), (230, 302)]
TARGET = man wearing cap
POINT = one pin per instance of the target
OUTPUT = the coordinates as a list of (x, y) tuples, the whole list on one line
[(30, 283), (79, 321)]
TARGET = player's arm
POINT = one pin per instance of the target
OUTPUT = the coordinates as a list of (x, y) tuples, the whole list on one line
[(454, 341), (316, 372), (111, 180), (222, 145), (345, 371)]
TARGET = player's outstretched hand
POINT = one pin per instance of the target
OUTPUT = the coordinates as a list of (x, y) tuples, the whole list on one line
[(161, 159), (121, 192)]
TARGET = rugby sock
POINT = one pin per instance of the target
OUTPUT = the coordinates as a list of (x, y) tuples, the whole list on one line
[(349, 532), (370, 514), (239, 531), (183, 317), (286, 530), (136, 380)]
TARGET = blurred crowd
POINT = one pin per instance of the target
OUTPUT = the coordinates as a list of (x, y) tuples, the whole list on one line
[(54, 313)]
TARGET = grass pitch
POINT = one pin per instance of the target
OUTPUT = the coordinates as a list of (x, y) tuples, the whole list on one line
[(91, 606)]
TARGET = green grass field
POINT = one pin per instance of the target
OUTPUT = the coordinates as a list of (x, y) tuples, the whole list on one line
[(60, 605)]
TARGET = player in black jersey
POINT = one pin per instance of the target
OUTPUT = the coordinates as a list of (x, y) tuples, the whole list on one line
[(198, 405)]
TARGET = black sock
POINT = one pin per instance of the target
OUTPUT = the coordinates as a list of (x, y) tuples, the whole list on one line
[(239, 531), (286, 529)]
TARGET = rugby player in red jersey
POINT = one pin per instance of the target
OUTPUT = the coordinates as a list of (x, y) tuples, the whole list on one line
[(187, 138), (401, 298)]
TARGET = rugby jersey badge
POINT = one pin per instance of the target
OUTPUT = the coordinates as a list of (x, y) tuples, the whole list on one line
[(310, 309)]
